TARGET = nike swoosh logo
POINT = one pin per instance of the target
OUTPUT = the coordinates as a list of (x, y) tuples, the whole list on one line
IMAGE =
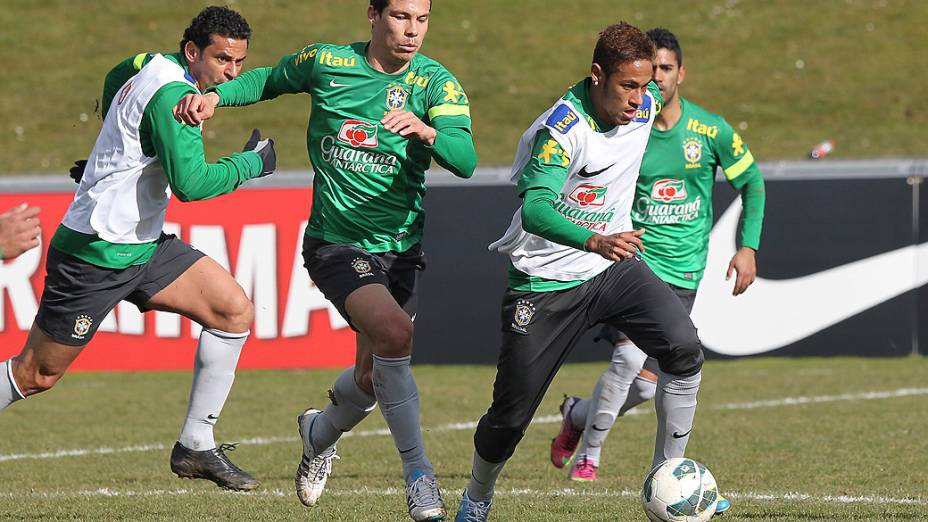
[(587, 174), (333, 84), (803, 305), (680, 435), (212, 417)]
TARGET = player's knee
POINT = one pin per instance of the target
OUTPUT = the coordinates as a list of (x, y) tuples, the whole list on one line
[(496, 441), (37, 380), (393, 337), (235, 314), (685, 358)]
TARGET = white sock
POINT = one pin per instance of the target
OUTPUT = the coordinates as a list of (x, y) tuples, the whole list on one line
[(9, 391), (213, 374), (398, 397), (483, 477), (676, 407), (349, 405), (642, 390), (609, 396)]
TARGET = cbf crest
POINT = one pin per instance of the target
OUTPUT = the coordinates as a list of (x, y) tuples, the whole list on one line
[(692, 150), (396, 97), (361, 266), (523, 315), (82, 326)]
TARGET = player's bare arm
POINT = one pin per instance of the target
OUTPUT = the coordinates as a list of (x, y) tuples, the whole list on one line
[(616, 247), (409, 126), (19, 230), (745, 267)]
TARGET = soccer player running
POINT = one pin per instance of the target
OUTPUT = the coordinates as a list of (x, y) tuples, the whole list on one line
[(575, 259), (380, 113), (673, 205), (110, 245)]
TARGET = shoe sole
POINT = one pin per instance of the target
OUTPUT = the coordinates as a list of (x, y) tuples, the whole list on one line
[(247, 487), (299, 425)]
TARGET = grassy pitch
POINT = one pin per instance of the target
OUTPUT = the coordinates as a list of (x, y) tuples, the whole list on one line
[(788, 439)]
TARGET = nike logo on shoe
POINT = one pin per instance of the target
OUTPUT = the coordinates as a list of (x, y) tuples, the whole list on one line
[(804, 305), (333, 84), (681, 435), (587, 174)]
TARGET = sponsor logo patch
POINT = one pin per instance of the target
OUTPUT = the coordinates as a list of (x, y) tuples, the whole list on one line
[(667, 190), (124, 93), (643, 113), (737, 146), (358, 133), (562, 119), (701, 128), (587, 195)]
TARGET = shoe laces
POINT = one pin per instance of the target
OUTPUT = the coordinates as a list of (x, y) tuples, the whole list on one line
[(584, 468), (475, 510), (221, 453), (423, 491), (321, 466)]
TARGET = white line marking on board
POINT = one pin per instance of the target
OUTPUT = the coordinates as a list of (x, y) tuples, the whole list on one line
[(461, 426), (513, 492)]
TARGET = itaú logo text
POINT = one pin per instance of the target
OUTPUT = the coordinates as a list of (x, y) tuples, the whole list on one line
[(277, 314)]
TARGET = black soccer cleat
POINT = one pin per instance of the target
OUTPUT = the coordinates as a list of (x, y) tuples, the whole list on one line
[(211, 465)]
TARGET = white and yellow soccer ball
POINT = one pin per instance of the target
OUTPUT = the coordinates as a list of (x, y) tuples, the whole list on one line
[(680, 490)]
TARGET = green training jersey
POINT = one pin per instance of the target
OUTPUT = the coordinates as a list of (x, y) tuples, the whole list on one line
[(369, 183), (673, 200)]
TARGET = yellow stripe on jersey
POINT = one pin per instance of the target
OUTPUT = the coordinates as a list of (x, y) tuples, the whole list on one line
[(740, 166), (449, 110), (138, 61)]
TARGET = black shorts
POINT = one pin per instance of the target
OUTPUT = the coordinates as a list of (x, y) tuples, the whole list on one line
[(338, 269), (613, 336), (78, 295)]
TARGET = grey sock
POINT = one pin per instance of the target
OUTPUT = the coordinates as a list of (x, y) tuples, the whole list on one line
[(676, 407), (483, 479), (349, 406), (398, 396), (213, 374), (642, 390), (579, 412), (9, 391), (609, 395)]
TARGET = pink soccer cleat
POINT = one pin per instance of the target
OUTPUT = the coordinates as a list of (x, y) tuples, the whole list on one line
[(582, 471), (564, 445)]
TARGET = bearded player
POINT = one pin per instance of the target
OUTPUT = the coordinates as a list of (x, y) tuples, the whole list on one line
[(673, 205), (380, 113), (575, 263)]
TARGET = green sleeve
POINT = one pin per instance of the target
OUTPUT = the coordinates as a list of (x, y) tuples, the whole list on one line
[(753, 199), (540, 186), (293, 74), (742, 172), (180, 149), (454, 150), (658, 97), (449, 113), (118, 76)]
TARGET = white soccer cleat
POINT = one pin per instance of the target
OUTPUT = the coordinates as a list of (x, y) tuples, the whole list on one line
[(314, 470), (424, 498)]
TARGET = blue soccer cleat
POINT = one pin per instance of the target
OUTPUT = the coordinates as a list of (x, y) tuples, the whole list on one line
[(472, 510), (722, 505)]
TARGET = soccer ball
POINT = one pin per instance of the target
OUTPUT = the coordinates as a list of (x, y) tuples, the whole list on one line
[(679, 490)]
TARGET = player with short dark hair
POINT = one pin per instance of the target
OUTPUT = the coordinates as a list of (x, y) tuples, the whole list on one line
[(380, 113), (110, 245), (575, 259), (673, 204)]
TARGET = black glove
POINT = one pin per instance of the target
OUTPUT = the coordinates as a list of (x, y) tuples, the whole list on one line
[(77, 171), (265, 149)]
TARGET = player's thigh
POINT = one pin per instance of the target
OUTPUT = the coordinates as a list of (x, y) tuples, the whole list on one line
[(538, 331), (206, 293), (384, 324)]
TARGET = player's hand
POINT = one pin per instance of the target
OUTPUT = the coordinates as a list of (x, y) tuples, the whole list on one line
[(616, 247), (194, 109), (745, 266), (77, 171), (19, 230), (265, 149), (409, 126)]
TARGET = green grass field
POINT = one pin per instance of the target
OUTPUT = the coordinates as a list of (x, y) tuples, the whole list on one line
[(788, 439), (786, 74)]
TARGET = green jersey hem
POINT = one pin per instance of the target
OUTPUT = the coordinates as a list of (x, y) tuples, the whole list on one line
[(97, 252), (522, 282)]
